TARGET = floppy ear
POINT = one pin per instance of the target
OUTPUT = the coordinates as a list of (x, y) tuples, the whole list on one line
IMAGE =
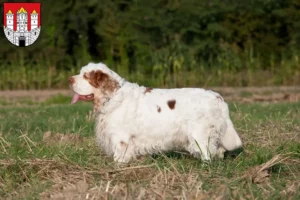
[(97, 78), (101, 80)]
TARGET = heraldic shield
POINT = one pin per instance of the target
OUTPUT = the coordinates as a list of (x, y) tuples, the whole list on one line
[(22, 22)]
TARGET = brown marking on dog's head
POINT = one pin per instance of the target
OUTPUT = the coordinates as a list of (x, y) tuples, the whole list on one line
[(158, 109), (99, 79), (105, 85), (171, 104), (148, 89)]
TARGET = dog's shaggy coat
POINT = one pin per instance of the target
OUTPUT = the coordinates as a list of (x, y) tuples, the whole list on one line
[(133, 120)]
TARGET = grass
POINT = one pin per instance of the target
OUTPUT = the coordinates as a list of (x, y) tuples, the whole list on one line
[(47, 150)]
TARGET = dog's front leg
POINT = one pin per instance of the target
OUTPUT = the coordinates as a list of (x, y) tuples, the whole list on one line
[(124, 152)]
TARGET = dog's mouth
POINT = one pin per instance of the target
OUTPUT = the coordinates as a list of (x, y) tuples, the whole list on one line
[(78, 97)]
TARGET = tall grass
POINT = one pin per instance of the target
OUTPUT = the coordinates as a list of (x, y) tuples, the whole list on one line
[(174, 66)]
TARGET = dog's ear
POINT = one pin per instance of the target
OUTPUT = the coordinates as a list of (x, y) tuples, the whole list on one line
[(101, 80), (96, 78)]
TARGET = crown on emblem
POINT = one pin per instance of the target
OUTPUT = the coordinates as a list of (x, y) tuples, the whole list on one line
[(22, 10)]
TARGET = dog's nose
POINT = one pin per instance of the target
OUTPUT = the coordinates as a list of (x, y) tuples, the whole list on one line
[(71, 80)]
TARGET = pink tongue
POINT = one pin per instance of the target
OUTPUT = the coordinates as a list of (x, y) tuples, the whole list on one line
[(75, 98)]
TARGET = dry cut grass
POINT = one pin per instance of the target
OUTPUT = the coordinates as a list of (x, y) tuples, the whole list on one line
[(48, 152)]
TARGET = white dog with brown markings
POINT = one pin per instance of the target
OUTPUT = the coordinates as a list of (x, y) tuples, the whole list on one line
[(133, 120)]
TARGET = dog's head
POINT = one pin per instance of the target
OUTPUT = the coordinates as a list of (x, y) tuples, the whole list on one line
[(96, 82)]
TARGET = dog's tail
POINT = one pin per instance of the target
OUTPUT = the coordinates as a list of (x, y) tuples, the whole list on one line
[(231, 140)]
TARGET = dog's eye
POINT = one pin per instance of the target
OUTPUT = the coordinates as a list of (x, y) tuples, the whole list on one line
[(85, 76)]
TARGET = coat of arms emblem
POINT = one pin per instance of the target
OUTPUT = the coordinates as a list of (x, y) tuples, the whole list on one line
[(22, 22)]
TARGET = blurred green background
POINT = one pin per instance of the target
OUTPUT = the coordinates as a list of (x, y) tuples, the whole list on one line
[(160, 43)]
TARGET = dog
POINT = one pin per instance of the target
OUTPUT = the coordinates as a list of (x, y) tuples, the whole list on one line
[(133, 120)]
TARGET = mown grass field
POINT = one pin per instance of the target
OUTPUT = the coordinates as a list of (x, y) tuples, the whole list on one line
[(47, 150)]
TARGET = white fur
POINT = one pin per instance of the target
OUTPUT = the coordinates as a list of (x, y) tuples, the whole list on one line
[(129, 124)]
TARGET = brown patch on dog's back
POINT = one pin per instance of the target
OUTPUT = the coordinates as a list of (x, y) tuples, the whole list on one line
[(148, 89), (171, 104), (158, 109)]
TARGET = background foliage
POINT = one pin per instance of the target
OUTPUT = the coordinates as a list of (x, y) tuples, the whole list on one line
[(161, 43)]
